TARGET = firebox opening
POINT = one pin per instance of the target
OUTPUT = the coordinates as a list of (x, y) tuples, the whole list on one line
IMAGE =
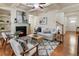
[(22, 30)]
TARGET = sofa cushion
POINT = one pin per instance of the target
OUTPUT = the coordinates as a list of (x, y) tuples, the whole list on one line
[(46, 30), (45, 34)]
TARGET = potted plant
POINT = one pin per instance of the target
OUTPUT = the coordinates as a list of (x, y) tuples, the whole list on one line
[(16, 34)]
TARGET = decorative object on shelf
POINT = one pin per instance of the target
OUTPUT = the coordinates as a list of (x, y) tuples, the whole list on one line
[(2, 28), (23, 14), (43, 21), (24, 19), (1, 21), (7, 21), (15, 20)]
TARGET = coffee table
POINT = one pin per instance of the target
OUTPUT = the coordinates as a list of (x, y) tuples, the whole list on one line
[(37, 37)]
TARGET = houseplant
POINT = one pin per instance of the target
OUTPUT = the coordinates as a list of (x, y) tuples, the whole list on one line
[(17, 34)]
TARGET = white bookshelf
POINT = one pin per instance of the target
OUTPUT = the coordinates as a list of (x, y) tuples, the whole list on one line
[(6, 24)]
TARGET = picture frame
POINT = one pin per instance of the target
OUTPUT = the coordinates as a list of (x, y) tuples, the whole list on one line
[(43, 21)]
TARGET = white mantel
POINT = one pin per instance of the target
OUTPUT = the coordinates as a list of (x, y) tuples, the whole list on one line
[(22, 24)]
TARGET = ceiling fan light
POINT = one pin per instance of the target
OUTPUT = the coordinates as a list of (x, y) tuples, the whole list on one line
[(36, 5)]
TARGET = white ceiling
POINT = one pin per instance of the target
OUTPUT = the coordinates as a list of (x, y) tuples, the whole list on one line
[(68, 8)]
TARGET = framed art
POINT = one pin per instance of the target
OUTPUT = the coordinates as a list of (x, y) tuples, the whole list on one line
[(43, 21)]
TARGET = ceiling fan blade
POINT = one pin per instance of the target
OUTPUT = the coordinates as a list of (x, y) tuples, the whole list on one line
[(33, 7), (42, 3), (31, 10), (41, 7)]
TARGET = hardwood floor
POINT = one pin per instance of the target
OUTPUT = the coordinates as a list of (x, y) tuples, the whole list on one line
[(69, 47), (58, 51), (5, 51)]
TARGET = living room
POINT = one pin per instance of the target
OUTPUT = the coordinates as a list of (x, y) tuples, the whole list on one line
[(38, 29)]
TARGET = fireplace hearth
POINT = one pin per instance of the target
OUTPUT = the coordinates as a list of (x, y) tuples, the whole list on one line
[(22, 30)]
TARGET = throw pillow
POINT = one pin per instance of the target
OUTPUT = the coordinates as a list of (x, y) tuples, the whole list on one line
[(47, 31)]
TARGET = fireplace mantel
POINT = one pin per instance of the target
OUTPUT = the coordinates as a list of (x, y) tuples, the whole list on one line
[(21, 24)]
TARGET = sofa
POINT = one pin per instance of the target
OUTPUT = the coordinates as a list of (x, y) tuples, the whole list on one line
[(48, 33)]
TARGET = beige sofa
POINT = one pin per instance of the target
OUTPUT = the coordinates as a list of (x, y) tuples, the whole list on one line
[(48, 33)]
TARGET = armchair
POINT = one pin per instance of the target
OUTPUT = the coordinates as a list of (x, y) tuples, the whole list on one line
[(18, 50), (5, 40)]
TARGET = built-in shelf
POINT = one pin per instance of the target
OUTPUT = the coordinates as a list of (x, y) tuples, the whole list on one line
[(4, 30), (20, 23), (5, 23)]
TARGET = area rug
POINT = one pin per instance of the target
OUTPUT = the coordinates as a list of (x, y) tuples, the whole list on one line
[(46, 47)]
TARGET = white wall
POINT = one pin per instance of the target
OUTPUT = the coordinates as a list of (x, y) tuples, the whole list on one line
[(71, 26), (52, 16), (32, 21), (51, 19)]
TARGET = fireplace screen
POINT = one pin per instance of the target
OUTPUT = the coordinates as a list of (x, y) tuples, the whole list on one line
[(22, 30)]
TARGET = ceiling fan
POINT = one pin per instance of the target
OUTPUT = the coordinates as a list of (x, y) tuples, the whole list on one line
[(37, 6)]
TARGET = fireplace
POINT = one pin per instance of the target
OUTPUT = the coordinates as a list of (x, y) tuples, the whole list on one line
[(22, 30)]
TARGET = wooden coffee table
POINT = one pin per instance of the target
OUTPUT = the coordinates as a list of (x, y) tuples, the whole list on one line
[(39, 38)]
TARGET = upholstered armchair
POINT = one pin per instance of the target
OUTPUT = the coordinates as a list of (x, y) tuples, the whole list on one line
[(18, 49), (5, 40)]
